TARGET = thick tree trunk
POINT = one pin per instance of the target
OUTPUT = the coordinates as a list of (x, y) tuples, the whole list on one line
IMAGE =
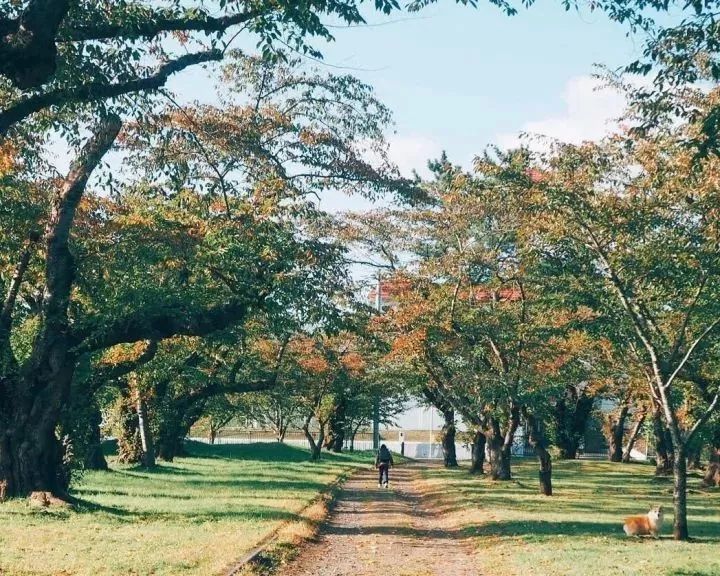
[(538, 442), (170, 446), (447, 437), (615, 434), (680, 526), (129, 446), (146, 436), (571, 415), (336, 426), (478, 452), (712, 475), (315, 445), (634, 434), (663, 446), (31, 456), (500, 446), (94, 457)]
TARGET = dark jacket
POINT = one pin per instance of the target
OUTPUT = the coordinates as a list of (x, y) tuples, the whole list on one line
[(383, 456)]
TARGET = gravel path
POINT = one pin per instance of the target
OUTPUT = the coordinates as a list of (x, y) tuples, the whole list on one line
[(379, 532)]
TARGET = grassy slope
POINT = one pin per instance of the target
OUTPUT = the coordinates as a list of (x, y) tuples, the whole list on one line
[(579, 530), (194, 516)]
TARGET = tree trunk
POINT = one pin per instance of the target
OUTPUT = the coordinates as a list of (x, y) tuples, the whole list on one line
[(693, 457), (500, 446), (146, 437), (447, 436), (537, 441), (712, 475), (336, 426), (129, 446), (680, 526), (615, 433), (315, 446), (478, 452), (634, 434), (571, 415), (94, 457), (663, 445), (31, 456)]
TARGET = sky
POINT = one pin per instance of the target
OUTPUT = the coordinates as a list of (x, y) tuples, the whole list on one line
[(459, 79)]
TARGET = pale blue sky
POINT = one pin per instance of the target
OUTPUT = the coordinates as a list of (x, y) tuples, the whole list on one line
[(459, 78)]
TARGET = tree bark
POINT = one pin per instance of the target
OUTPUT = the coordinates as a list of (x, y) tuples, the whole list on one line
[(94, 457), (447, 436), (634, 434), (146, 436), (663, 445), (315, 446), (615, 433), (571, 415), (500, 445), (538, 442), (336, 427), (680, 525), (129, 446), (712, 475), (478, 452), (31, 456)]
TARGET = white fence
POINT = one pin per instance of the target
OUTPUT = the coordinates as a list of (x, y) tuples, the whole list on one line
[(416, 450)]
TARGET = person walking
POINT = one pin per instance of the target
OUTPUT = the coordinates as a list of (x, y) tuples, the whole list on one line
[(383, 462)]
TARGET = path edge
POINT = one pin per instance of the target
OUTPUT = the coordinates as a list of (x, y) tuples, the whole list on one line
[(327, 498)]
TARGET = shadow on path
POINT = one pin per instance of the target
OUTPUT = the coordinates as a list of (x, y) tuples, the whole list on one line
[(375, 531)]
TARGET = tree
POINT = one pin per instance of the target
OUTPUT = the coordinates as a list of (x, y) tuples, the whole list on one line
[(159, 258), (71, 56), (573, 409), (30, 453), (640, 224)]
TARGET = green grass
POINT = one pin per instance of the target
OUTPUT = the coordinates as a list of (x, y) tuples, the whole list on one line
[(194, 516), (578, 531)]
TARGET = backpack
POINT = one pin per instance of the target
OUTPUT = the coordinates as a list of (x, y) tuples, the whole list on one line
[(384, 454)]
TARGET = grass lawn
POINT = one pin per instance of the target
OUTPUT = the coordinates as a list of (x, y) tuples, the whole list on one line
[(579, 530), (194, 516)]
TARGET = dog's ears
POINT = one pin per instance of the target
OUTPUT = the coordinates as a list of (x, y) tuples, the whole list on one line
[(660, 508)]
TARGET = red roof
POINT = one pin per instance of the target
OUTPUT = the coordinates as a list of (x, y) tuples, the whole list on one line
[(503, 295), (390, 288)]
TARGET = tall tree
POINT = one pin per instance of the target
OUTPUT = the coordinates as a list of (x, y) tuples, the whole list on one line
[(66, 55), (640, 223)]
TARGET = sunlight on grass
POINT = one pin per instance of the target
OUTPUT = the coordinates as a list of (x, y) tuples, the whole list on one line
[(194, 516), (579, 530)]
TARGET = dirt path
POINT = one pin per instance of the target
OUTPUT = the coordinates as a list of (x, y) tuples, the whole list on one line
[(378, 532)]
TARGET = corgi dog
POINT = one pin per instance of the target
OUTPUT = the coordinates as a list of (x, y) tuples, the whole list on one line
[(651, 523)]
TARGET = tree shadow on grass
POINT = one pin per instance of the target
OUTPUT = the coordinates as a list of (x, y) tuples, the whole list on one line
[(190, 514), (261, 452), (692, 573), (159, 470), (704, 532)]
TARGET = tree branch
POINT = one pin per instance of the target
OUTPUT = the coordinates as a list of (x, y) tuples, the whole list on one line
[(103, 374), (28, 53), (149, 28), (689, 352), (165, 323), (15, 283), (94, 91), (701, 421)]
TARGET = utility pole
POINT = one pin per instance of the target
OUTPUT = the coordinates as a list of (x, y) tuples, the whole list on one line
[(376, 400)]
